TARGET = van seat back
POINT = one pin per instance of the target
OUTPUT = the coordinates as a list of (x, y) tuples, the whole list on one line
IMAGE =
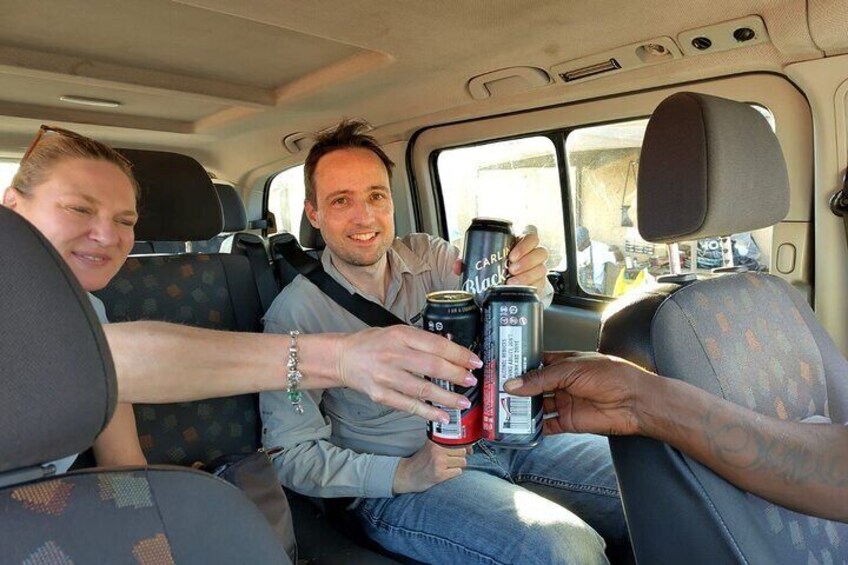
[(206, 290)]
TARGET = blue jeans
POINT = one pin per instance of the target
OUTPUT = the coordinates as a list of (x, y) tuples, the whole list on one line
[(546, 505)]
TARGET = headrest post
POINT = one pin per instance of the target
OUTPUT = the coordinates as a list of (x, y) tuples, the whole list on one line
[(726, 252), (673, 258)]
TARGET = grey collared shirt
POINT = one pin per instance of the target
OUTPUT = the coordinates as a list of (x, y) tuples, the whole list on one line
[(353, 448)]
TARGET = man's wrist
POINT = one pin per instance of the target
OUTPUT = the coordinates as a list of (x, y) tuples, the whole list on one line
[(399, 483), (658, 410)]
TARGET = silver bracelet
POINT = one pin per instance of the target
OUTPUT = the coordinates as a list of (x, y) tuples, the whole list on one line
[(293, 376)]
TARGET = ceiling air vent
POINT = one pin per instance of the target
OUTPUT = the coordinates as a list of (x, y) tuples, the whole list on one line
[(629, 57), (591, 70)]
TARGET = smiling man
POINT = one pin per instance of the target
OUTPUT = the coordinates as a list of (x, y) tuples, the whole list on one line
[(431, 503)]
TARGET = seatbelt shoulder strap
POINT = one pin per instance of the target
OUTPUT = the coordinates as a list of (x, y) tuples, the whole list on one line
[(369, 312)]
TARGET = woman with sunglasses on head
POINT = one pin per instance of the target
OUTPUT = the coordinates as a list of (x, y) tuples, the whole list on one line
[(82, 196)]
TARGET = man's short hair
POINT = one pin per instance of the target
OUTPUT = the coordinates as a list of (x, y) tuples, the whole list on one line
[(346, 135)]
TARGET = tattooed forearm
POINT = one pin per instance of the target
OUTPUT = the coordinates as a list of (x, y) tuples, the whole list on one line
[(765, 445), (801, 466)]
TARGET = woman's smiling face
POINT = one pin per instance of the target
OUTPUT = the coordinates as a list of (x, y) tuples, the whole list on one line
[(87, 209)]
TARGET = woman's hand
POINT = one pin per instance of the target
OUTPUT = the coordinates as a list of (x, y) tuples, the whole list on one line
[(387, 363)]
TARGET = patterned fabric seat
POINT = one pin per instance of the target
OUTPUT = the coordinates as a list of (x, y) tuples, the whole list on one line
[(215, 291), (144, 516), (59, 391), (210, 291), (749, 338)]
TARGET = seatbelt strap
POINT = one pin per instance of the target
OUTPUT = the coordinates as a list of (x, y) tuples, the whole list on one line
[(263, 272), (839, 204), (369, 312)]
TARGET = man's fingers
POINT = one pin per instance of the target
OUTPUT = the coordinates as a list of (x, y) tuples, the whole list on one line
[(555, 374), (452, 473), (531, 260), (457, 267), (552, 427), (553, 357), (455, 451), (549, 405), (533, 277), (456, 462), (524, 245), (535, 382)]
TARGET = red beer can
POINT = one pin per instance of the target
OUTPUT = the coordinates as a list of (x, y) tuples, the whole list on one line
[(454, 315)]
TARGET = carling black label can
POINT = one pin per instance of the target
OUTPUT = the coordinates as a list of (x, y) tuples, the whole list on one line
[(454, 315), (487, 245), (512, 345)]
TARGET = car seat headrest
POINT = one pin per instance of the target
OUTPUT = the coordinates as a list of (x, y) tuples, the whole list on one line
[(709, 167), (178, 201), (310, 238), (232, 207), (59, 387)]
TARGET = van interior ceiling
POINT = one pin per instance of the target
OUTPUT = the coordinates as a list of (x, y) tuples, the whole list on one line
[(228, 81), (533, 111)]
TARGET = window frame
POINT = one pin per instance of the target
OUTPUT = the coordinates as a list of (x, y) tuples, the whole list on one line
[(574, 284), (561, 107), (572, 294)]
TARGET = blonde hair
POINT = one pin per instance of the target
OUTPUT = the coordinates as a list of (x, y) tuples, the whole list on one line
[(55, 146)]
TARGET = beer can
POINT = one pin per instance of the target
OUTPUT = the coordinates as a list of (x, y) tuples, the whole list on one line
[(512, 345), (454, 315), (488, 242)]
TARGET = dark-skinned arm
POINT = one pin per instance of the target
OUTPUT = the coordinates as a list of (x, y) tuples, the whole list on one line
[(801, 466)]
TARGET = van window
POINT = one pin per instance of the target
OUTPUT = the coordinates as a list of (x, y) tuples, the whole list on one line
[(285, 199), (603, 165), (516, 180), (7, 173)]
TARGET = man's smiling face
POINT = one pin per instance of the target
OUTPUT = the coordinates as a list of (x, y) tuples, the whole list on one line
[(354, 208)]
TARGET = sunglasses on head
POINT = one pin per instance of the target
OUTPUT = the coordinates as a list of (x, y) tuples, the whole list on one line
[(45, 130)]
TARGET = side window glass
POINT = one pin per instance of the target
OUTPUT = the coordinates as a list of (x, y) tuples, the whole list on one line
[(516, 180), (7, 173), (603, 165), (285, 199)]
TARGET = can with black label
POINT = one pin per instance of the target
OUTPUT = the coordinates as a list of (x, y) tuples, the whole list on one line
[(488, 242), (512, 345), (454, 315)]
